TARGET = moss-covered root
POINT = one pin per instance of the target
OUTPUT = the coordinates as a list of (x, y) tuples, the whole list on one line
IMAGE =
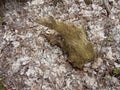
[(88, 2), (1, 86), (73, 42), (55, 2)]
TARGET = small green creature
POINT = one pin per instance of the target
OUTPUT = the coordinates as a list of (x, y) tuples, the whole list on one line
[(71, 40), (116, 71)]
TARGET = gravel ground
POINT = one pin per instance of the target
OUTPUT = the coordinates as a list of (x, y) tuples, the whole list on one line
[(29, 62)]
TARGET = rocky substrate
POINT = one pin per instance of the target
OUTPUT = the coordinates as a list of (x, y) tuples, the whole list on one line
[(29, 62)]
